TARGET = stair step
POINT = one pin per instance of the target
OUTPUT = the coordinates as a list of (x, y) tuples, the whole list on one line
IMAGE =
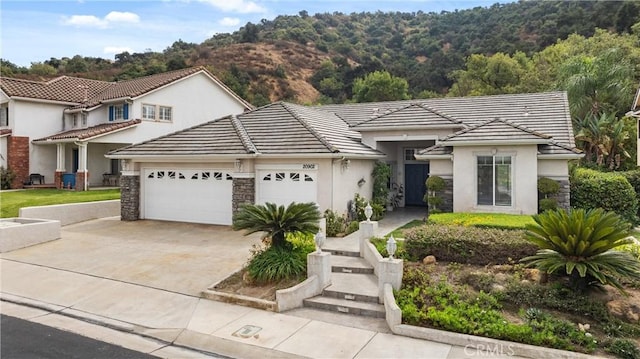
[(344, 264), (354, 283), (350, 296), (346, 306), (342, 252)]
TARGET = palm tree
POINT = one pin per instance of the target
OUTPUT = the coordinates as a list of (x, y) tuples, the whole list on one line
[(582, 244), (277, 221), (603, 139)]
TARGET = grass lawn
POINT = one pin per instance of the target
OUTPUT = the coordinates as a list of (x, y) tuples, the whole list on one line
[(484, 220), (11, 202)]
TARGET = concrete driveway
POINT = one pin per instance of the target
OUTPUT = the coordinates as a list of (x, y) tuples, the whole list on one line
[(178, 257)]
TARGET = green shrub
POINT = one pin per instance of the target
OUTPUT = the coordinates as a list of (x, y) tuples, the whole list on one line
[(381, 175), (6, 177), (547, 204), (359, 204), (277, 263), (624, 348), (581, 244), (434, 184), (381, 246), (547, 186), (353, 226), (339, 225), (467, 245), (610, 191)]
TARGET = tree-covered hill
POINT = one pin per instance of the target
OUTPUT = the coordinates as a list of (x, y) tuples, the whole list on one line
[(315, 58)]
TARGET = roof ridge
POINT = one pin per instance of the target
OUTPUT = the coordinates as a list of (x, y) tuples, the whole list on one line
[(311, 129), (498, 119), (437, 112), (243, 135)]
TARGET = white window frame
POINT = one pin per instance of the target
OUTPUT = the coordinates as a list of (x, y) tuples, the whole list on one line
[(493, 181), (165, 113), (4, 115), (74, 120), (145, 109), (83, 119), (118, 112)]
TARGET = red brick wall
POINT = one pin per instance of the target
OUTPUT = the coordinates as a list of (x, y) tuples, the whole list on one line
[(18, 159), (58, 179), (80, 181)]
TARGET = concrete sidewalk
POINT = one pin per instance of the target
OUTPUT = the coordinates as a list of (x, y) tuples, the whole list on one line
[(192, 322), (60, 293)]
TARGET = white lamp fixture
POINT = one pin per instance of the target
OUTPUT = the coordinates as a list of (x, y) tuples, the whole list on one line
[(319, 239), (391, 246), (368, 212)]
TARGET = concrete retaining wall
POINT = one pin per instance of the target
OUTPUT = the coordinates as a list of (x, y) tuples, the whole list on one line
[(73, 212), (16, 233), (291, 298)]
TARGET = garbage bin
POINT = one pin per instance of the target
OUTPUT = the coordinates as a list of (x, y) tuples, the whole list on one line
[(69, 180)]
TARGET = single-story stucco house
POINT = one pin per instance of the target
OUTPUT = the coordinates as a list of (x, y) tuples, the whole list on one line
[(490, 150)]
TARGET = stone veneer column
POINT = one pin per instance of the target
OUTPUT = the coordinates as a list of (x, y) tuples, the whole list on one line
[(129, 198), (244, 191), (447, 195), (564, 194), (18, 159)]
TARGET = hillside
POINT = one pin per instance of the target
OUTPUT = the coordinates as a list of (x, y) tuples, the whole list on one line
[(316, 58)]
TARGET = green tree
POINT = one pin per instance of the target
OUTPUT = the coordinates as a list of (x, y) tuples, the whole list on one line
[(581, 244), (38, 68), (278, 221), (76, 64), (380, 86)]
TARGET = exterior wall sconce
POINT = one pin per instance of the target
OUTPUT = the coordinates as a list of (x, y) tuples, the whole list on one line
[(345, 164), (391, 246), (238, 165), (368, 212), (361, 182), (319, 239)]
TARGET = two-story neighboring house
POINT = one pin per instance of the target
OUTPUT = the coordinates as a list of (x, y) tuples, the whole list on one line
[(61, 129)]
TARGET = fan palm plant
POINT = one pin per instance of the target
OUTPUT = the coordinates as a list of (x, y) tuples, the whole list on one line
[(581, 244), (276, 221)]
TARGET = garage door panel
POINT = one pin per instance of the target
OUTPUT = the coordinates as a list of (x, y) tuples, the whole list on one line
[(200, 196), (283, 187)]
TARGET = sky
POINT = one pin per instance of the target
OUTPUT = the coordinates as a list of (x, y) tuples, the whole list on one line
[(35, 31)]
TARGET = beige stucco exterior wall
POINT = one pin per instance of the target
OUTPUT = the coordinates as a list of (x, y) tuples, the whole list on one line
[(442, 168), (524, 176), (345, 182), (554, 169)]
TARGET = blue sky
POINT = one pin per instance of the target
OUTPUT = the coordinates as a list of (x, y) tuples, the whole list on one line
[(34, 31)]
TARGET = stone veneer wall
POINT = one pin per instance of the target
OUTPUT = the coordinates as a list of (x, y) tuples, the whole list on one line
[(129, 198), (447, 195), (18, 159), (564, 195), (244, 191)]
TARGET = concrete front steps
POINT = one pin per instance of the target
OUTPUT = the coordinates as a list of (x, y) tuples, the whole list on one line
[(353, 289)]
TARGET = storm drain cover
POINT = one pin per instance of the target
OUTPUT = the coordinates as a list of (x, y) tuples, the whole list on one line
[(247, 331)]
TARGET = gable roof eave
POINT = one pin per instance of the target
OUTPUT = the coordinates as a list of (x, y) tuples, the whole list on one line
[(459, 126), (493, 142)]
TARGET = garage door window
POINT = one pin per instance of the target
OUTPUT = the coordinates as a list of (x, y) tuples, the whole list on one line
[(308, 178)]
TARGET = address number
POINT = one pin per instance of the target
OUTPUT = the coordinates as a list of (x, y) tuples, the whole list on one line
[(308, 166)]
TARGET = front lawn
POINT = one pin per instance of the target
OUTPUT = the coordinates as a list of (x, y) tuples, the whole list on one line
[(11, 202), (483, 220)]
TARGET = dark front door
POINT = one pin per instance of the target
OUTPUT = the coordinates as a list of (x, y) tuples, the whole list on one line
[(76, 157), (415, 176)]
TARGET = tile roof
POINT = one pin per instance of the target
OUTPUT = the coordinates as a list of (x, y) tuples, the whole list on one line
[(412, 115), (86, 93), (90, 132), (214, 137), (546, 112), (277, 129), (5, 132), (495, 131)]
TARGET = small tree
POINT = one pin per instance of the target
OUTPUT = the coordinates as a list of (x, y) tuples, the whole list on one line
[(381, 175), (277, 221), (548, 188), (434, 184), (6, 177)]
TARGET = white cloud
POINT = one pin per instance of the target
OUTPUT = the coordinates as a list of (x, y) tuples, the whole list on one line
[(94, 21), (239, 6), (117, 16), (229, 21), (85, 20), (116, 49)]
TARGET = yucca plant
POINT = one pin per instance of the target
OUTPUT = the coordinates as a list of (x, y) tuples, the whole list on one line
[(276, 221), (581, 244)]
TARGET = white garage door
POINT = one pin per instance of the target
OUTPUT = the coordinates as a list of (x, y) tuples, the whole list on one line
[(188, 195), (285, 186)]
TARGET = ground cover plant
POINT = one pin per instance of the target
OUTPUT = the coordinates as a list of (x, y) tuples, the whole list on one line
[(471, 290), (483, 220), (12, 201)]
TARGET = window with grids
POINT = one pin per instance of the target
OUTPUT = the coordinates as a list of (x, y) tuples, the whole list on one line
[(118, 112), (494, 180), (4, 115), (164, 113), (148, 112)]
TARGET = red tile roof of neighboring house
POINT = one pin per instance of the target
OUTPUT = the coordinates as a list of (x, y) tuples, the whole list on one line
[(90, 132), (5, 132), (86, 93)]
